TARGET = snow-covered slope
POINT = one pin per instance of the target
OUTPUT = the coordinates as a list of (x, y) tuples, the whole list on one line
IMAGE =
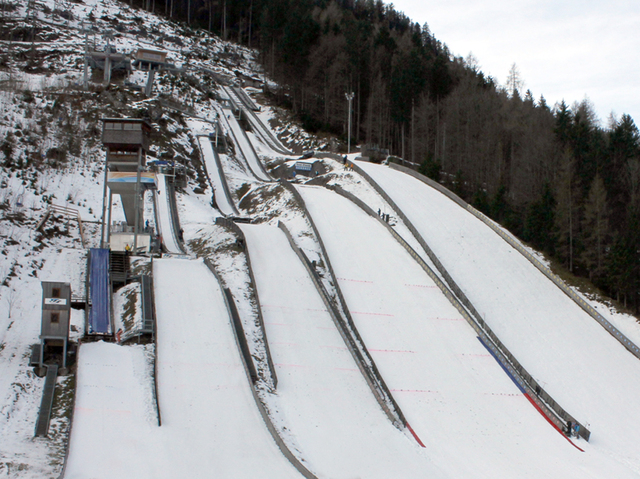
[(322, 398), (203, 393), (114, 417), (210, 423), (246, 149), (471, 418), (581, 365), (165, 222), (453, 393), (224, 202)]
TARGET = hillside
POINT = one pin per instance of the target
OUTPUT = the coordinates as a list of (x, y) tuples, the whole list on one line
[(555, 175), (359, 357), (51, 154)]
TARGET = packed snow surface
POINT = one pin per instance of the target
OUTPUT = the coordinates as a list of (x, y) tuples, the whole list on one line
[(472, 419), (114, 417), (580, 364), (246, 148), (211, 426), (322, 397), (216, 176), (165, 223)]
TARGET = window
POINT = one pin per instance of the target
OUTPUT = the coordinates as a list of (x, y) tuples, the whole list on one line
[(55, 293), (55, 318)]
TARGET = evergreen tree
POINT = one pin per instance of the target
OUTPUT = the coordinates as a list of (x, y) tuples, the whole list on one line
[(564, 120), (566, 208), (430, 168), (620, 262), (480, 201), (499, 207), (540, 222), (595, 227), (624, 146)]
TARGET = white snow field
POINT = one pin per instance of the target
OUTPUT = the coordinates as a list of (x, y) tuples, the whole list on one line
[(225, 204), (473, 420), (165, 225), (114, 419), (211, 426), (243, 142), (581, 365), (324, 402)]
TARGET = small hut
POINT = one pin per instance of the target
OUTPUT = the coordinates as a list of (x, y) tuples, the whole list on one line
[(56, 317)]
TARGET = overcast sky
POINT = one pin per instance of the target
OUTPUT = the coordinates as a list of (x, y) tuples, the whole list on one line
[(564, 49)]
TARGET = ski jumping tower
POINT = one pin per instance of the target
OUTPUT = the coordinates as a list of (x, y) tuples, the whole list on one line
[(127, 142)]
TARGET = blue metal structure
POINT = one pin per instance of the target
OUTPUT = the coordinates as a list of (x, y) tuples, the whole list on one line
[(99, 290)]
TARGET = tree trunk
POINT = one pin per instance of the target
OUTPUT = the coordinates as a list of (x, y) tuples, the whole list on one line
[(250, 21), (413, 131), (437, 138), (224, 20)]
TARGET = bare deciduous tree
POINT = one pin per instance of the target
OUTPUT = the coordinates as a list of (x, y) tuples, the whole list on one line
[(11, 299), (515, 83)]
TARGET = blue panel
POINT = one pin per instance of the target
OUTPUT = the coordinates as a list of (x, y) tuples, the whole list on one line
[(511, 376), (99, 317)]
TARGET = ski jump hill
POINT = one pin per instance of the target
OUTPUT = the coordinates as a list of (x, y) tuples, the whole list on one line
[(472, 360)]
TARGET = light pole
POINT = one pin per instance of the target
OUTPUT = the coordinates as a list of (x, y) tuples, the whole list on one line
[(349, 97)]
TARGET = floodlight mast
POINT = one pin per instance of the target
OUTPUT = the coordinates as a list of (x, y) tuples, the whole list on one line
[(349, 97)]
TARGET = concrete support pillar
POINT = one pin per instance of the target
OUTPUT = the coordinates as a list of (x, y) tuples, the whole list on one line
[(64, 354), (109, 219), (104, 206), (137, 201), (107, 69), (149, 86)]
